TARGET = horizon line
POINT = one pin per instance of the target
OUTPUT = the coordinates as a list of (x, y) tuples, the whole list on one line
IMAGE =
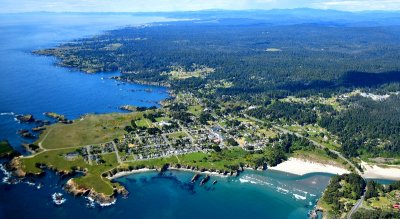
[(204, 10)]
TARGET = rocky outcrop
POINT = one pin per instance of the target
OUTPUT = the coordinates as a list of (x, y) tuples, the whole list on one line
[(25, 133), (205, 180), (39, 128), (28, 118), (129, 108), (122, 191), (58, 117), (15, 167), (195, 178), (74, 189), (102, 199)]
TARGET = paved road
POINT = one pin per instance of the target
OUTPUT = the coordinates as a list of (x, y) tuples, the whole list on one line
[(355, 207), (116, 152), (89, 154)]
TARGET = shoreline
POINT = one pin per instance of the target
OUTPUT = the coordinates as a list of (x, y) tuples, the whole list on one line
[(302, 167), (146, 170), (295, 166)]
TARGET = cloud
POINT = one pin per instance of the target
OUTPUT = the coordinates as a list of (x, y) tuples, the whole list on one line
[(358, 5), (185, 5)]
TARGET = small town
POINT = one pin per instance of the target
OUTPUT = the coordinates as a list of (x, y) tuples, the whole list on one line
[(159, 134)]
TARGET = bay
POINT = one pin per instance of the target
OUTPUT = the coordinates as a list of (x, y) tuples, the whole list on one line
[(32, 84)]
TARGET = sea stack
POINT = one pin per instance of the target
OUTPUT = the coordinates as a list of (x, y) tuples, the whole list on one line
[(25, 118), (195, 178), (204, 180)]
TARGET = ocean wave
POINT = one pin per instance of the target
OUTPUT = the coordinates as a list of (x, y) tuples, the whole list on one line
[(252, 180), (91, 203), (282, 190), (302, 191), (7, 179), (299, 197), (107, 204), (30, 183), (247, 181), (7, 114)]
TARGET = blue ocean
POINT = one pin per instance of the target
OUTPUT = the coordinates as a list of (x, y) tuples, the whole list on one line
[(34, 84)]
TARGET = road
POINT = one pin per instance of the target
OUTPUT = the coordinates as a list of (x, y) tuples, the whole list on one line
[(89, 154), (116, 152), (355, 207)]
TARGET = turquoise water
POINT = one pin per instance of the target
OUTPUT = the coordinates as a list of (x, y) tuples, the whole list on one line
[(33, 84), (252, 195)]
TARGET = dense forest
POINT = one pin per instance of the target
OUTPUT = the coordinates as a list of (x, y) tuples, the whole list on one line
[(255, 57), (368, 126)]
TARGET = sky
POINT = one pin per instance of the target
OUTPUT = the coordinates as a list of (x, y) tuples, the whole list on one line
[(15, 6)]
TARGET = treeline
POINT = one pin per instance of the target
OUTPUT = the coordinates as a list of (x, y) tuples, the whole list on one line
[(363, 123)]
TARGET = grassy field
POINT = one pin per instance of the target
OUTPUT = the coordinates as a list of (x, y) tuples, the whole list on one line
[(56, 160), (93, 178), (267, 133), (92, 129), (176, 135), (160, 119), (195, 110), (144, 123)]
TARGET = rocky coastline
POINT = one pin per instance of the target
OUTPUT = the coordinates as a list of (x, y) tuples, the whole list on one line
[(102, 199), (120, 172), (15, 167)]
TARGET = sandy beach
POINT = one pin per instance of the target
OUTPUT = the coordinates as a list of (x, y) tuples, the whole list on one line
[(126, 173), (301, 167), (373, 171)]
